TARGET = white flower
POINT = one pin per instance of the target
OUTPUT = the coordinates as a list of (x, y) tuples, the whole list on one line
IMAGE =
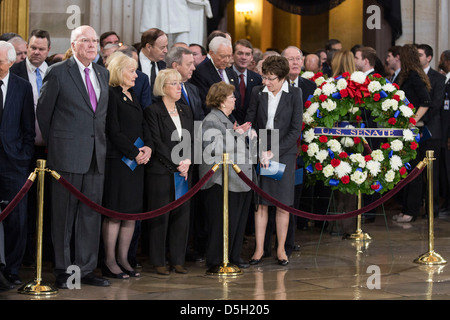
[(390, 176), (389, 104), (322, 155), (406, 111), (401, 94), (341, 84), (313, 148), (334, 145), (374, 167), (347, 142), (329, 105), (358, 158), (344, 169), (309, 136), (307, 118), (319, 81), (396, 163), (328, 171), (308, 75), (312, 110), (388, 87), (374, 86), (358, 77), (377, 155), (408, 135), (328, 89), (358, 177), (396, 145), (318, 92), (354, 110)]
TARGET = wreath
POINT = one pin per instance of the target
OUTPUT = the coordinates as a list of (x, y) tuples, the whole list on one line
[(342, 159)]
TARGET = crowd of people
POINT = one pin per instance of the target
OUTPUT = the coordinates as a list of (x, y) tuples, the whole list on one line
[(109, 117)]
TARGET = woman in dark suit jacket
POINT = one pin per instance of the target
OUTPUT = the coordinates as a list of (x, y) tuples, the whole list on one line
[(171, 124), (416, 85), (277, 108), (124, 187)]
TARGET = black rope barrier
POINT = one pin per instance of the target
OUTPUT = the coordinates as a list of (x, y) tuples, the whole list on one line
[(414, 174)]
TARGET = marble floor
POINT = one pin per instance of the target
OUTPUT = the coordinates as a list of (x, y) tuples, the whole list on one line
[(327, 267)]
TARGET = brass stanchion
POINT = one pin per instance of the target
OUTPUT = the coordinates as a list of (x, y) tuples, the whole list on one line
[(225, 269), (359, 235), (37, 287), (431, 257)]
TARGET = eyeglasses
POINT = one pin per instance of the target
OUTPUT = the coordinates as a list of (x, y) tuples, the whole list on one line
[(297, 59), (269, 79), (87, 41)]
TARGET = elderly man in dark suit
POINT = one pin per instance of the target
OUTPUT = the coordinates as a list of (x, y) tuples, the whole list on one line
[(216, 69), (154, 47), (182, 59), (72, 113), (242, 57), (16, 151)]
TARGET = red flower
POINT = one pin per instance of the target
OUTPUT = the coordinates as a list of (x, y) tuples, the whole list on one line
[(396, 86), (412, 121), (303, 126), (305, 147), (368, 158), (345, 179), (319, 166), (375, 187), (323, 98), (323, 139), (396, 97), (358, 118), (385, 146), (414, 145), (343, 155), (376, 97), (344, 93), (402, 171), (335, 162), (411, 106), (346, 74), (377, 75), (392, 121), (357, 140), (308, 104)]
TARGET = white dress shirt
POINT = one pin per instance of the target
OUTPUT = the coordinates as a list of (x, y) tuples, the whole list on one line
[(273, 103)]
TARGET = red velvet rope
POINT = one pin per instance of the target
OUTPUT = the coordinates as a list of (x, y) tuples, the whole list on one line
[(10, 207), (414, 173), (138, 216)]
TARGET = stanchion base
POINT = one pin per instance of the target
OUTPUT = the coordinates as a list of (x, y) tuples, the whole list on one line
[(430, 258), (38, 289), (224, 270), (358, 236)]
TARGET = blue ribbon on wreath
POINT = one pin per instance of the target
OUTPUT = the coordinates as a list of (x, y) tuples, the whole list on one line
[(334, 182)]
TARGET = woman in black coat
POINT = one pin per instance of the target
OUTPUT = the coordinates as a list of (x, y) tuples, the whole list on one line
[(171, 124), (124, 185), (416, 85), (277, 108)]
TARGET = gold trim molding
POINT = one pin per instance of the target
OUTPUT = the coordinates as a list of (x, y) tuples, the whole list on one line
[(15, 17)]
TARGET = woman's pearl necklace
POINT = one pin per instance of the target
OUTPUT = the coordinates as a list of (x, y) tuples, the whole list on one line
[(174, 110)]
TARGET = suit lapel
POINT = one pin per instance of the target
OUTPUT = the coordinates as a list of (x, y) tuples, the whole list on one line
[(10, 97), (283, 101), (103, 86)]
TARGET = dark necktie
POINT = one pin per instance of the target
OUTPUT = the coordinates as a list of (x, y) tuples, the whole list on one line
[(293, 83), (153, 74), (1, 100), (242, 89), (185, 94)]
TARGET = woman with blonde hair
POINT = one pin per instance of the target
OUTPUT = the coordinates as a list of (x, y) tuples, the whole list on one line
[(124, 187), (343, 61)]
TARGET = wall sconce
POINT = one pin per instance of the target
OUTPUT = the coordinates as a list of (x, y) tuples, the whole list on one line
[(246, 9)]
